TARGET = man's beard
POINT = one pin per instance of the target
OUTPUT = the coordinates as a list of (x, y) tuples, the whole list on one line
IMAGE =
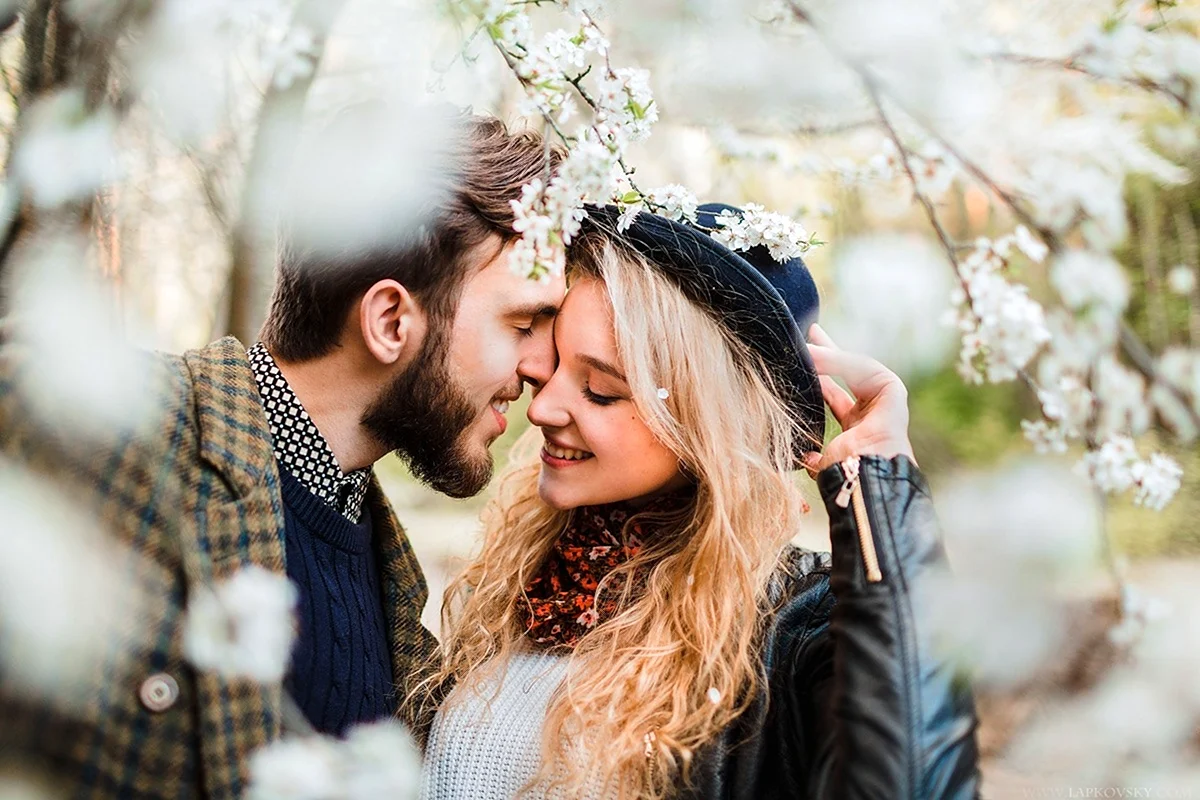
[(425, 417)]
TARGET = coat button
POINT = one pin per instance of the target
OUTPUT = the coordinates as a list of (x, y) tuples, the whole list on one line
[(159, 692)]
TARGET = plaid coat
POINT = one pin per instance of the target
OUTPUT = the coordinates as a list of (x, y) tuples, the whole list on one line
[(194, 493)]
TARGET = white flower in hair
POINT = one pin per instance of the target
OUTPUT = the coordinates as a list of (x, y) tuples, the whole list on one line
[(782, 236)]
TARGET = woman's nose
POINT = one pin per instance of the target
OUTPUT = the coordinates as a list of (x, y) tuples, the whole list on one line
[(548, 408)]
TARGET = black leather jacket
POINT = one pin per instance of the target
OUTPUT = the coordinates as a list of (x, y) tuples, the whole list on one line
[(858, 702)]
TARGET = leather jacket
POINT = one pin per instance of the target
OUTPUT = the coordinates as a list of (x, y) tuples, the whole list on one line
[(858, 702)]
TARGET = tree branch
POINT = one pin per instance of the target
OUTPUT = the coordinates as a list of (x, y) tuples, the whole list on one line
[(1130, 344), (1072, 63)]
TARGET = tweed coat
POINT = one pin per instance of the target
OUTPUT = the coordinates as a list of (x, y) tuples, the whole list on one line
[(193, 492)]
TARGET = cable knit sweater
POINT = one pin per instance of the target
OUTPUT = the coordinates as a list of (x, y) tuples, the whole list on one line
[(485, 747)]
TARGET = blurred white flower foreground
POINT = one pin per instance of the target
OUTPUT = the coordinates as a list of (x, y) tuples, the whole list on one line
[(374, 762)]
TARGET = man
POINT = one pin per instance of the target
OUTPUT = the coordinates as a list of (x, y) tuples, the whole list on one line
[(263, 457)]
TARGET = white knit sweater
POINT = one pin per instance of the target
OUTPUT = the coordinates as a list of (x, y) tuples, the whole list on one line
[(485, 746)]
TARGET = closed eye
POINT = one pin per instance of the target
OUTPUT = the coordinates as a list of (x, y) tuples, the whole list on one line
[(598, 399)]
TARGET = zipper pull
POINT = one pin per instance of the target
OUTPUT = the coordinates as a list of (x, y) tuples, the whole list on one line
[(850, 468)]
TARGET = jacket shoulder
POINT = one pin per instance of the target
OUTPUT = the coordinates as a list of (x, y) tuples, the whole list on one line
[(798, 572)]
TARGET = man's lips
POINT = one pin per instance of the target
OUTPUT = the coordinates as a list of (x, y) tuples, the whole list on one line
[(500, 420)]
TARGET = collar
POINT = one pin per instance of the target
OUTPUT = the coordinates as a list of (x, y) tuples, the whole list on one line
[(299, 445)]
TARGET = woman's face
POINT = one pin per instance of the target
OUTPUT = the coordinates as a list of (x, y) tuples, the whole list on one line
[(597, 448)]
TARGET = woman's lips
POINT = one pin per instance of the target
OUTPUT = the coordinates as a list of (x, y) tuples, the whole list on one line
[(552, 460)]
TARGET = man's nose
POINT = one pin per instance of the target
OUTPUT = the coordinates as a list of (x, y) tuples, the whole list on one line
[(538, 359)]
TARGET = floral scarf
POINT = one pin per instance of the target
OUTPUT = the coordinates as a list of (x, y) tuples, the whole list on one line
[(562, 596)]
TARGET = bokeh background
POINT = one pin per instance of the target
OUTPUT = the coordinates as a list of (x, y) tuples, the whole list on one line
[(740, 122)]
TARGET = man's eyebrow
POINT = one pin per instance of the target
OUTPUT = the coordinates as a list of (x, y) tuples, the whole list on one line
[(534, 311), (604, 367)]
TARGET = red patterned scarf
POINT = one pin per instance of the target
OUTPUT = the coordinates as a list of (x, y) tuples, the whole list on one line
[(562, 596)]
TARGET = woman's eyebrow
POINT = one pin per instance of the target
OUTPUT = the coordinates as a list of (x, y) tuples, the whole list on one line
[(604, 367)]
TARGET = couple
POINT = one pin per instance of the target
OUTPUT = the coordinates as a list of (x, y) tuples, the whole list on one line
[(636, 625)]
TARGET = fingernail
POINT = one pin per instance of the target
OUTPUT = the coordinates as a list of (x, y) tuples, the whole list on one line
[(811, 459)]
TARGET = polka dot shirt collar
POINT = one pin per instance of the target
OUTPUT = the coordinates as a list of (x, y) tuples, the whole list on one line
[(300, 447)]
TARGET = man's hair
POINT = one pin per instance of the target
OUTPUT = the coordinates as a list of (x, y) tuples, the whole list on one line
[(485, 167)]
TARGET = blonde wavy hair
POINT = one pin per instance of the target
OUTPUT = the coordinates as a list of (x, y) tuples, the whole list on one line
[(638, 700)]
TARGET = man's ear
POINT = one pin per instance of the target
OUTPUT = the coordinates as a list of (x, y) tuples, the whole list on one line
[(391, 320)]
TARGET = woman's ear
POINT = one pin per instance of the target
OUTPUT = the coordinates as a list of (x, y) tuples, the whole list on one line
[(391, 321)]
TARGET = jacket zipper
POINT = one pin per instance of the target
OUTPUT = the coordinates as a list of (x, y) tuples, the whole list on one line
[(851, 493)]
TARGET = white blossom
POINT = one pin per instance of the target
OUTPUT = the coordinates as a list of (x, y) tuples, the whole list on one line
[(1116, 467), (72, 603), (1138, 609), (1002, 328), (1085, 279), (1044, 436), (1032, 247), (782, 236), (1111, 466), (674, 202), (296, 769), (64, 153), (243, 627), (377, 760), (292, 58), (1182, 280), (381, 760), (88, 380), (1157, 481), (625, 100)]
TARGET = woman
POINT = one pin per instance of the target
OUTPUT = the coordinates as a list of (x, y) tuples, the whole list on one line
[(637, 623)]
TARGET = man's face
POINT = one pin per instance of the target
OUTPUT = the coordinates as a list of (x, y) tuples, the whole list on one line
[(441, 414)]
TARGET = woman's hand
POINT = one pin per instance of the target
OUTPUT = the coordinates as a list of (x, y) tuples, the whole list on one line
[(874, 424)]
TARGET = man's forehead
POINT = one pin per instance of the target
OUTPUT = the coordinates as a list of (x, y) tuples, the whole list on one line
[(534, 297), (518, 293)]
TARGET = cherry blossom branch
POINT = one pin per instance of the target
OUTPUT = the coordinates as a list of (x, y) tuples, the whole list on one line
[(1072, 63), (1130, 344), (951, 249)]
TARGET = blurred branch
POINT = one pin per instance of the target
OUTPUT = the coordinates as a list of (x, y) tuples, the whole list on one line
[(66, 40), (33, 62), (279, 122), (948, 245), (1072, 63), (207, 175), (834, 128)]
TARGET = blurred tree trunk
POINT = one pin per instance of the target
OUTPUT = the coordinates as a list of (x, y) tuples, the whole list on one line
[(252, 270)]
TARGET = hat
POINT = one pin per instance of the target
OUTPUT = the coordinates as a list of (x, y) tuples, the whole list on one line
[(766, 304)]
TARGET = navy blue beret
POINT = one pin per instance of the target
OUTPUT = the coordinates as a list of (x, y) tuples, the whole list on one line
[(762, 302)]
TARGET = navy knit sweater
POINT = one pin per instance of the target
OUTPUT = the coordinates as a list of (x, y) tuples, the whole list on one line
[(341, 667)]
